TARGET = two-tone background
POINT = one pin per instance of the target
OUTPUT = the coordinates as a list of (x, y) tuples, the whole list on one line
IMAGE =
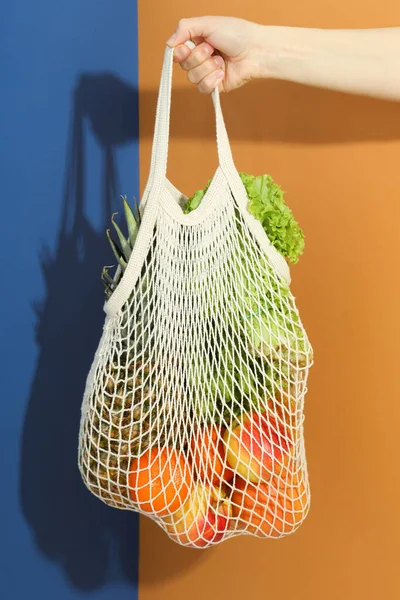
[(78, 91)]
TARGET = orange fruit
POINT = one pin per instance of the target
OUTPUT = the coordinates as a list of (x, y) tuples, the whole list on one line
[(269, 510), (208, 455), (254, 507), (293, 498), (159, 480)]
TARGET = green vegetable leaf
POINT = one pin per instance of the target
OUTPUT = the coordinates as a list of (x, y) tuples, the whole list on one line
[(267, 205), (194, 202), (118, 254), (133, 222), (126, 249)]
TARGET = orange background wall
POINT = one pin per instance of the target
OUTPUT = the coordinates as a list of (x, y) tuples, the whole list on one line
[(338, 159)]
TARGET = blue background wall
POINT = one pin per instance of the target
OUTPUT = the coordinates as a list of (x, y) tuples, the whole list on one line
[(69, 148)]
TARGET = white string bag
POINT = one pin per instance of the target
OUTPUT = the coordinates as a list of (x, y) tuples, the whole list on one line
[(193, 408)]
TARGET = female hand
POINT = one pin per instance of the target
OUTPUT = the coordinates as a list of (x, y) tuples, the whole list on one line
[(229, 52), (232, 51)]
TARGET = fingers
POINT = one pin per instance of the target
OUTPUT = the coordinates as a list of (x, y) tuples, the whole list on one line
[(193, 58), (181, 52), (197, 74), (211, 81), (203, 69)]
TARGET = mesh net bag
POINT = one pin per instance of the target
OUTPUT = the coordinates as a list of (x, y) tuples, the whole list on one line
[(194, 405)]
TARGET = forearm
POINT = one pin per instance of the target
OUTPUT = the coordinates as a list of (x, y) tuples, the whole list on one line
[(359, 62)]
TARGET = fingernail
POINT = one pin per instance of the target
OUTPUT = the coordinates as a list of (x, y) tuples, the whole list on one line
[(219, 75), (208, 49), (171, 40), (218, 61), (180, 52)]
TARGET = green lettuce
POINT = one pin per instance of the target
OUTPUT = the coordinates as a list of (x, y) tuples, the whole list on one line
[(267, 204), (266, 348)]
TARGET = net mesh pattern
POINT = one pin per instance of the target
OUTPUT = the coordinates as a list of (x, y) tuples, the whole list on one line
[(193, 412)]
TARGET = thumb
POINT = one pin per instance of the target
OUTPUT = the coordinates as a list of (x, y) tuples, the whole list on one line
[(196, 29)]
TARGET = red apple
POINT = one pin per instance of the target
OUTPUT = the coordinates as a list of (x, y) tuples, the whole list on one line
[(259, 447), (203, 519)]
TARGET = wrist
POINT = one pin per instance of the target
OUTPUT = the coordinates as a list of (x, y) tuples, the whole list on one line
[(276, 46)]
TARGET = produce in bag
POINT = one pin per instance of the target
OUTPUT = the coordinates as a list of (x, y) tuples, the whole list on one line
[(194, 405)]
